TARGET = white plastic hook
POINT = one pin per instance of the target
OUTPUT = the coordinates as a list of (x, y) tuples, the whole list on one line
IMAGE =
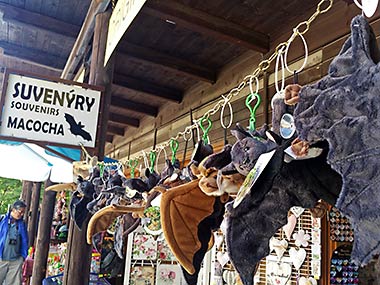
[(226, 102), (198, 131), (280, 58), (188, 130), (306, 55), (367, 6), (280, 94), (160, 149), (251, 83), (146, 162)]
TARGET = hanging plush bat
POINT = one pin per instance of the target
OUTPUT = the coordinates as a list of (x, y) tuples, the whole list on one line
[(188, 217), (343, 109), (264, 209)]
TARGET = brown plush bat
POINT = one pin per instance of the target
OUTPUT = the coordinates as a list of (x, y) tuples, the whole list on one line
[(188, 217)]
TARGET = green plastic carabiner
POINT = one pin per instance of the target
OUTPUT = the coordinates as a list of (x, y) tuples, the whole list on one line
[(174, 147), (152, 157), (252, 111), (133, 164), (205, 130)]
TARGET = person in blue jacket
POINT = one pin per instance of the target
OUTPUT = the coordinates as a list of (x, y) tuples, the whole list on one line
[(13, 244)]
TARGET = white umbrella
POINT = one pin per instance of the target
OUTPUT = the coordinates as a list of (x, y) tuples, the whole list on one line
[(26, 161)]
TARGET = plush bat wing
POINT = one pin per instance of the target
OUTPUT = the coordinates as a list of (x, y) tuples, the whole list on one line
[(103, 218), (351, 127), (188, 217), (78, 208), (62, 187), (77, 128)]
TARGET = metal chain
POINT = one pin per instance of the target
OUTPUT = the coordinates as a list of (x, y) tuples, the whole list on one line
[(113, 4), (300, 29)]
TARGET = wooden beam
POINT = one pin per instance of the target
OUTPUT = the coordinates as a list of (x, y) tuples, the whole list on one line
[(38, 20), (169, 62), (33, 55), (148, 88), (113, 130), (207, 24), (125, 120), (134, 106), (85, 35)]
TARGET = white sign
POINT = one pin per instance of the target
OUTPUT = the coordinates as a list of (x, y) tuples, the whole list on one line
[(122, 16), (41, 110)]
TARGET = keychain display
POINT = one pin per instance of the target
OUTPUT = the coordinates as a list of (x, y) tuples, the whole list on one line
[(340, 227), (342, 270)]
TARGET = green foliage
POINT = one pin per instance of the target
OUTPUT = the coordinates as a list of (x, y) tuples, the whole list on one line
[(10, 191)]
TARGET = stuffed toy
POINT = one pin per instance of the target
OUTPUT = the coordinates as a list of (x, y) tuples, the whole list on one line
[(264, 209), (80, 198), (188, 217), (351, 128), (214, 179), (249, 146)]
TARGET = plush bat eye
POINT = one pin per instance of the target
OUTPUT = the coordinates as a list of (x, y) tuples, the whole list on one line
[(246, 148)]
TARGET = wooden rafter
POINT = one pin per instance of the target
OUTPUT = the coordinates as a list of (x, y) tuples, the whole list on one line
[(147, 87), (38, 20), (169, 62), (33, 55), (125, 120), (113, 130), (207, 24), (134, 106)]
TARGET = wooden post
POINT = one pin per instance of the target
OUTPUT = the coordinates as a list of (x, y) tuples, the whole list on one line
[(78, 257), (43, 238), (27, 187), (32, 223)]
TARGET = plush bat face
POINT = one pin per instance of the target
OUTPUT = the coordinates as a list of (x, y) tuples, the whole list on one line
[(208, 183), (248, 148), (229, 184)]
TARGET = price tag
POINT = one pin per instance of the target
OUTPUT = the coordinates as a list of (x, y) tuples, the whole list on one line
[(252, 176)]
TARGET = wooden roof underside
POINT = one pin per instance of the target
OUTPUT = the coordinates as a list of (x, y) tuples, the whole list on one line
[(170, 47)]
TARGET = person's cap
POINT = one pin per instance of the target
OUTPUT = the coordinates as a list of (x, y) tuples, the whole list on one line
[(18, 204)]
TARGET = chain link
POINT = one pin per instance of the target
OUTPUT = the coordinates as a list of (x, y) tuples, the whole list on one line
[(262, 66)]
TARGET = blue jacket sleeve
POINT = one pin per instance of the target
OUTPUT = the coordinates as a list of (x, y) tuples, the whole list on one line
[(24, 240)]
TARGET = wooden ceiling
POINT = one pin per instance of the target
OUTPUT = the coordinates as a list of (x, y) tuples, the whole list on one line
[(41, 31), (170, 47), (173, 45)]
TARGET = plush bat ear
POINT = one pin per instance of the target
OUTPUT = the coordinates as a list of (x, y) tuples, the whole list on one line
[(220, 159), (137, 184), (239, 132)]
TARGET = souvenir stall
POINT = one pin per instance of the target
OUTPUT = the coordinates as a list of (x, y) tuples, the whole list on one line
[(243, 190), (282, 246)]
